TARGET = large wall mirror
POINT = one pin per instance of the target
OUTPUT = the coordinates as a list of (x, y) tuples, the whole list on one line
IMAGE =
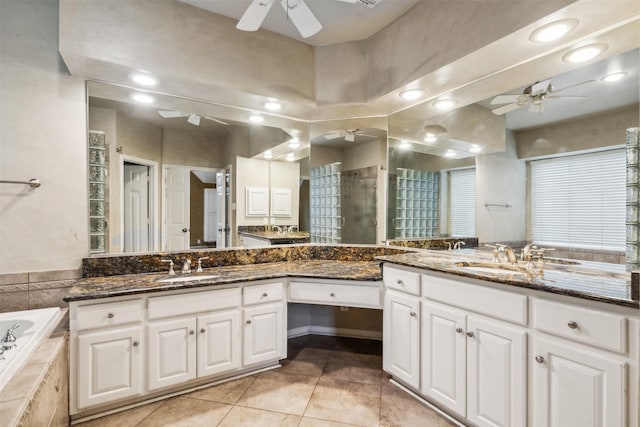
[(163, 170)]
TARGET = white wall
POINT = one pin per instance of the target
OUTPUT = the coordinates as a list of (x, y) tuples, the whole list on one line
[(42, 135)]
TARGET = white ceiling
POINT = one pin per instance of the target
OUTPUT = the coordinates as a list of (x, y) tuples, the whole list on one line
[(341, 21), (600, 96)]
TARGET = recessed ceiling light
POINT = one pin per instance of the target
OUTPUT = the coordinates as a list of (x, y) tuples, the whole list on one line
[(553, 30), (294, 142), (475, 148), (268, 155), (411, 94), (143, 79), (404, 145), (290, 157), (272, 105), (142, 98), (450, 153), (445, 104), (430, 137), (585, 53), (256, 118), (614, 77)]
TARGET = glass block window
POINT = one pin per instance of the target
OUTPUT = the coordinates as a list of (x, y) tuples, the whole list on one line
[(326, 214), (416, 203), (97, 193)]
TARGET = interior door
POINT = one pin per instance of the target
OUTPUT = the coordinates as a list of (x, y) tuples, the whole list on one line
[(177, 208), (220, 213), (136, 208), (210, 215)]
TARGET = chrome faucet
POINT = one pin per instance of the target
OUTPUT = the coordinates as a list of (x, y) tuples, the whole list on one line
[(459, 244), (9, 340), (172, 272), (199, 269), (186, 267), (527, 252), (278, 229), (448, 243), (292, 228), (508, 252)]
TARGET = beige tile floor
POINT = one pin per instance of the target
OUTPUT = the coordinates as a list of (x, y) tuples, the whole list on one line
[(326, 381)]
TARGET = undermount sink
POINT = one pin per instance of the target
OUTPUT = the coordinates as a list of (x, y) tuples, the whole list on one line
[(485, 267), (186, 279)]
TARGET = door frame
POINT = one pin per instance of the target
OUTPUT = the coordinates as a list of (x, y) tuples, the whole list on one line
[(154, 218), (163, 196)]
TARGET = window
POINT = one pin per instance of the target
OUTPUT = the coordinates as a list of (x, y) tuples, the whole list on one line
[(579, 201), (463, 202)]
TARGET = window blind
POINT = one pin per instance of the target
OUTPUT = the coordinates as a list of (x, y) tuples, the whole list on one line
[(463, 202), (580, 201)]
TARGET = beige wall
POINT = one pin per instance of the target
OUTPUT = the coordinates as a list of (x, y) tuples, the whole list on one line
[(286, 175), (192, 149), (42, 135)]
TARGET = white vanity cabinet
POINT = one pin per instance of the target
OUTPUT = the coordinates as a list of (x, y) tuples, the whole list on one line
[(264, 323), (401, 326)]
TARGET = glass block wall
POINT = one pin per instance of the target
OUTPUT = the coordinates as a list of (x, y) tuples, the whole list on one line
[(326, 214), (416, 203), (97, 192), (632, 256)]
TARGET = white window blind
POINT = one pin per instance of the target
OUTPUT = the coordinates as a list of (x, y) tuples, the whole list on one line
[(463, 202), (579, 201)]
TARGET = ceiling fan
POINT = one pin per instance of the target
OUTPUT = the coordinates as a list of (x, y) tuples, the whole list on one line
[(192, 118), (297, 10), (347, 134), (533, 96)]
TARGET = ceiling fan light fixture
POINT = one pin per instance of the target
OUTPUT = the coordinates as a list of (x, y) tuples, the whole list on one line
[(290, 157), (585, 53), (294, 142), (256, 118), (142, 98), (475, 148), (614, 77), (450, 154), (273, 105), (445, 104), (412, 94), (194, 119), (144, 79), (553, 30), (268, 155)]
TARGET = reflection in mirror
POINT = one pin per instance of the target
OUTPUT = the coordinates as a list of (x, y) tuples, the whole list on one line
[(162, 174), (348, 174)]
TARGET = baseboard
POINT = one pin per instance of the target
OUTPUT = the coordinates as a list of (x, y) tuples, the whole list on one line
[(334, 332)]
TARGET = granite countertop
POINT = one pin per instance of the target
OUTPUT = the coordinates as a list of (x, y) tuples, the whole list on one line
[(603, 282), (274, 235), (132, 284)]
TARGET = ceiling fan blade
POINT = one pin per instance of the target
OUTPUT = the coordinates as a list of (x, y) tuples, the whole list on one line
[(302, 17), (565, 97), (505, 99), (334, 135), (572, 86), (194, 119), (540, 87), (536, 108), (349, 1), (216, 120), (170, 114), (254, 15), (351, 137), (506, 108)]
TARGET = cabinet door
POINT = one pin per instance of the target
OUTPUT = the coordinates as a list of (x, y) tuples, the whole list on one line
[(218, 342), (444, 358), (496, 373), (264, 335), (109, 366), (401, 332), (576, 387), (172, 352)]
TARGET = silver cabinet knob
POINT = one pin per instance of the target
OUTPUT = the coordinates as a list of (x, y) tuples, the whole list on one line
[(412, 314), (110, 315), (191, 332), (136, 343), (203, 330), (459, 330), (539, 359), (470, 334), (400, 282), (248, 322), (332, 294), (572, 325), (264, 295)]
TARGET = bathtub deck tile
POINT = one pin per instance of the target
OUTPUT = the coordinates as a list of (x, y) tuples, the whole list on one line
[(25, 384), (12, 410)]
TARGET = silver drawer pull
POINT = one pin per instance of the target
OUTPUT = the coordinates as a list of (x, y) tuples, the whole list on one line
[(412, 314), (332, 294), (470, 334), (459, 330), (572, 325), (248, 322), (400, 282), (110, 315), (539, 359), (264, 295), (203, 330), (191, 332), (136, 343)]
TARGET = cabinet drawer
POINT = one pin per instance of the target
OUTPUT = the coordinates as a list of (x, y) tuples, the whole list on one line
[(335, 294), (596, 328), (257, 294), (110, 314), (508, 306), (194, 302), (401, 280)]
